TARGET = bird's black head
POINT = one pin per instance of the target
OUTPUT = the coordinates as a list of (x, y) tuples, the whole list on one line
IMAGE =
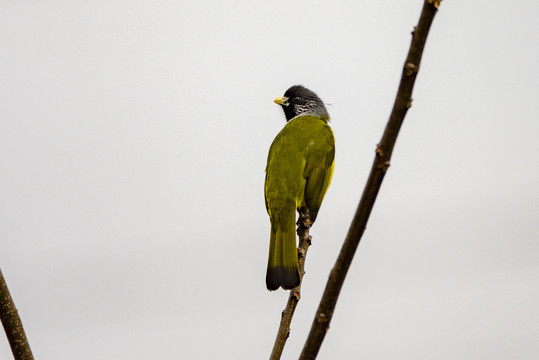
[(298, 100)]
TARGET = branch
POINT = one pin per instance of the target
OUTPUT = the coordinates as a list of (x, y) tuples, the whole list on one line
[(13, 325), (384, 149), (293, 298)]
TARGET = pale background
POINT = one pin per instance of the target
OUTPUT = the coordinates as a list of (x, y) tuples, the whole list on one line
[(133, 141)]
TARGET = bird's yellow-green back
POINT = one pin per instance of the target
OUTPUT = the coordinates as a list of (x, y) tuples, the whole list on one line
[(300, 164)]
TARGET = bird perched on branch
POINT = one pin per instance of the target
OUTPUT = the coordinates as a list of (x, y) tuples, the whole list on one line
[(298, 174)]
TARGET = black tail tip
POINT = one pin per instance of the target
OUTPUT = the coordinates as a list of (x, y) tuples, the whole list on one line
[(287, 278)]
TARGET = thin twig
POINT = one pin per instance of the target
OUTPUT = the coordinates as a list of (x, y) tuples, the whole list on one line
[(13, 325), (384, 149), (295, 294)]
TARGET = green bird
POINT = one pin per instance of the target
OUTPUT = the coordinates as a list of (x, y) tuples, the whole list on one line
[(298, 174)]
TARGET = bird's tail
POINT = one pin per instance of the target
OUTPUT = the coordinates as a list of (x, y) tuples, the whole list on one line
[(283, 268)]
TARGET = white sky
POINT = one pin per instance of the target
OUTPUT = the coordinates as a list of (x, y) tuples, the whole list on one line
[(133, 141)]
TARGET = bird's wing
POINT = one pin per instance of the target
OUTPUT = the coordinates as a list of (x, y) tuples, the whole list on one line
[(271, 155), (318, 172)]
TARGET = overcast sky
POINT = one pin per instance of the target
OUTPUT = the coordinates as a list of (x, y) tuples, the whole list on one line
[(133, 142)]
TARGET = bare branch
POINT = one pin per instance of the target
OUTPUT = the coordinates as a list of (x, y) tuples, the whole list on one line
[(13, 325), (381, 163)]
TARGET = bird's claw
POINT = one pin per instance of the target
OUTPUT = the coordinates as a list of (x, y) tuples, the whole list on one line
[(304, 219)]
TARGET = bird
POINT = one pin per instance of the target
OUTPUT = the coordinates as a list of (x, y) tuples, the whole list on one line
[(299, 168)]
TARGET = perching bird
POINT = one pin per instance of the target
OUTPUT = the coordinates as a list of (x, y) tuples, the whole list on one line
[(298, 174)]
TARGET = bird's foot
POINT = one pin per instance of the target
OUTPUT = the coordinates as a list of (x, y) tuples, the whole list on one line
[(304, 218)]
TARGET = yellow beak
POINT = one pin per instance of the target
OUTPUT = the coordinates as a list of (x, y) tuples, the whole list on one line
[(281, 100)]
